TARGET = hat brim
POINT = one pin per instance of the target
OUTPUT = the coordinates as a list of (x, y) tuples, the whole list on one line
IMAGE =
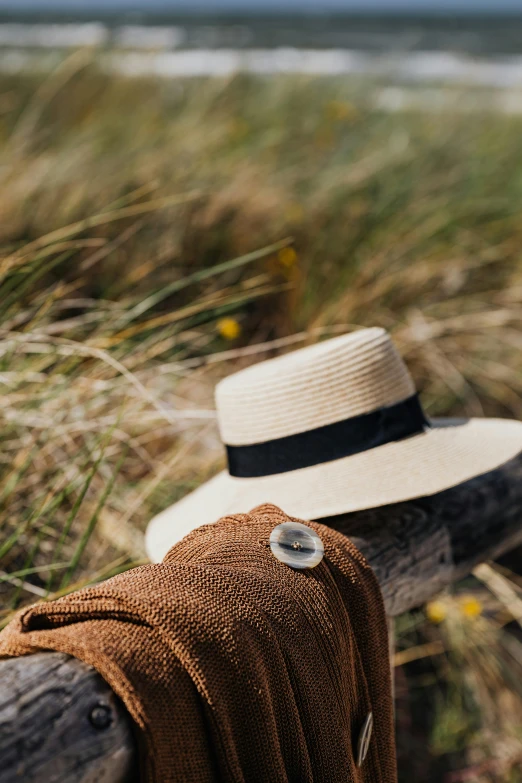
[(450, 452)]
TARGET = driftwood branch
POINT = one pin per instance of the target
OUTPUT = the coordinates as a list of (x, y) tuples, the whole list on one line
[(60, 722)]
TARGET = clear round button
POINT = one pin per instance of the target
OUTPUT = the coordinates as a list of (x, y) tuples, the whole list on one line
[(296, 545)]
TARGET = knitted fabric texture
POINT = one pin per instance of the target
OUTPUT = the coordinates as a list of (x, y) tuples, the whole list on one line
[(235, 667)]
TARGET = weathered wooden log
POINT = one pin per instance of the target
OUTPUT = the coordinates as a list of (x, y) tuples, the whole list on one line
[(60, 722), (419, 547)]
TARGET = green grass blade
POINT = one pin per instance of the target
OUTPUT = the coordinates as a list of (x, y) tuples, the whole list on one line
[(197, 277), (89, 529)]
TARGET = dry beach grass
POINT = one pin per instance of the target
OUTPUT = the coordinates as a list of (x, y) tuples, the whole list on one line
[(156, 235)]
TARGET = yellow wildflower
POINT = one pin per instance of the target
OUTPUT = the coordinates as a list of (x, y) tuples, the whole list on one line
[(342, 110), (287, 256), (228, 328), (239, 129), (436, 612), (471, 607)]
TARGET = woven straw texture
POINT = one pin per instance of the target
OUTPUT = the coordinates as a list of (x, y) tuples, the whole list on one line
[(234, 666), (334, 380), (317, 385)]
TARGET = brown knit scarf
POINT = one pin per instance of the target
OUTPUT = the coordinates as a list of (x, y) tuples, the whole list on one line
[(235, 667)]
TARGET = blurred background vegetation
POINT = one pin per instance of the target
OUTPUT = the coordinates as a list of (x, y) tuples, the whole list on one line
[(155, 235)]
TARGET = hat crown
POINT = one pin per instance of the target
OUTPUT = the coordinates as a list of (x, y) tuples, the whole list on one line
[(321, 384)]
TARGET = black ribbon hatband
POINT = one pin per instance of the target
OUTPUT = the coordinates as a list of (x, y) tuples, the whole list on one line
[(328, 443)]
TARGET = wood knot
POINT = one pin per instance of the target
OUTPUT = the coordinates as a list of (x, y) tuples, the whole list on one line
[(101, 717)]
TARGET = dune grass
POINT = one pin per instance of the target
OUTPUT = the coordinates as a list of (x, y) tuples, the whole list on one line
[(156, 235)]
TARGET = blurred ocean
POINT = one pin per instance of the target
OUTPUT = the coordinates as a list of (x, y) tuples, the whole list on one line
[(483, 51)]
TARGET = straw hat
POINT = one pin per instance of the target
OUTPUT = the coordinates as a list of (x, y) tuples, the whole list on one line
[(328, 429)]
